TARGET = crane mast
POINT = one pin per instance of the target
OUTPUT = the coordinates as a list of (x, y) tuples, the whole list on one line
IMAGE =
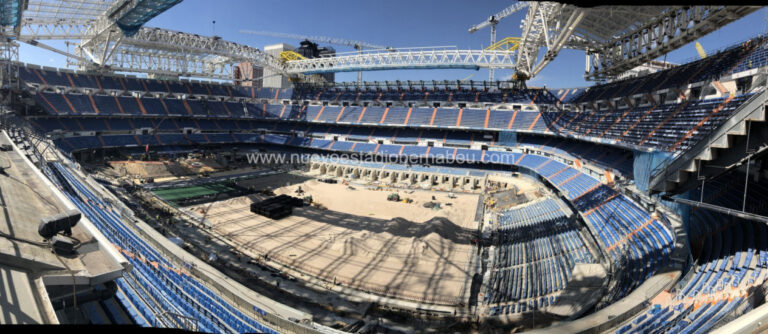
[(493, 20)]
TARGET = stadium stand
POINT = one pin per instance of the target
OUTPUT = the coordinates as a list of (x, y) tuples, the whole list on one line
[(732, 262), (538, 247), (155, 286)]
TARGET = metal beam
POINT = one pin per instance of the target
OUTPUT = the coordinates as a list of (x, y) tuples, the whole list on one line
[(499, 16), (716, 208), (676, 27), (541, 27), (167, 52), (426, 58), (52, 49)]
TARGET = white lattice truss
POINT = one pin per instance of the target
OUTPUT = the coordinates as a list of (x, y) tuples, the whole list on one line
[(404, 59), (548, 25), (615, 38), (62, 19), (166, 52), (675, 27), (102, 46)]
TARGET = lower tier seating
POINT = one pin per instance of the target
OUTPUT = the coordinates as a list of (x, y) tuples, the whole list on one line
[(155, 286), (730, 266), (625, 232), (538, 247)]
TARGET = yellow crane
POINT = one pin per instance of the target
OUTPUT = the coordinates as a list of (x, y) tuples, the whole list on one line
[(506, 44), (700, 50), (493, 20), (287, 56)]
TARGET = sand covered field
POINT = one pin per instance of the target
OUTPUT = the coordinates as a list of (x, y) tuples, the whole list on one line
[(163, 169), (362, 240)]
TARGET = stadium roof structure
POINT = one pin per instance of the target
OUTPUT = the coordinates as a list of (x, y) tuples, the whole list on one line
[(110, 36), (619, 38), (615, 39)]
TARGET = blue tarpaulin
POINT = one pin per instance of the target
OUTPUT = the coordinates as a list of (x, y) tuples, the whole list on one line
[(646, 164), (145, 10), (10, 12)]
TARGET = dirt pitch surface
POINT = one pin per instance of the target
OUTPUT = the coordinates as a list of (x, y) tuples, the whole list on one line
[(163, 169), (362, 240)]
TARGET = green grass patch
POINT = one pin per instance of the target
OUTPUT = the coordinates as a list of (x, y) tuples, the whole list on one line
[(176, 194)]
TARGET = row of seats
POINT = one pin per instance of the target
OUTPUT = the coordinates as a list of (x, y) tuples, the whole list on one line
[(737, 58), (618, 222), (106, 82), (538, 246), (669, 127), (729, 263), (604, 156), (633, 239), (155, 286), (400, 116), (423, 94), (93, 105)]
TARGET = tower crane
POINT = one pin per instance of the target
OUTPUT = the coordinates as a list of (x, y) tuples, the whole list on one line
[(493, 20), (357, 45)]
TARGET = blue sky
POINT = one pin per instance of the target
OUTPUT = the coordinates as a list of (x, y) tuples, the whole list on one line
[(397, 23)]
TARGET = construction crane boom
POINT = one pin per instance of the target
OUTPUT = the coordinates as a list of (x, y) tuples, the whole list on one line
[(495, 18), (321, 39), (358, 45), (492, 21)]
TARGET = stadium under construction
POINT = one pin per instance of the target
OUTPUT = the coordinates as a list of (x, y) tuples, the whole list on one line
[(176, 180)]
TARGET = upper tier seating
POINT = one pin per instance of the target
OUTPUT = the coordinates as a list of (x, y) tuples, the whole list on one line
[(670, 127), (78, 104), (424, 95), (107, 82), (746, 55)]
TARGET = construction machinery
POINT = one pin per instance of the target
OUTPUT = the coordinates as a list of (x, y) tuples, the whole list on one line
[(286, 56), (357, 45), (492, 21), (700, 50), (394, 197)]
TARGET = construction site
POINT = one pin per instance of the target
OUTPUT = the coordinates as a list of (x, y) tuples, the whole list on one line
[(413, 243), (587, 169)]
